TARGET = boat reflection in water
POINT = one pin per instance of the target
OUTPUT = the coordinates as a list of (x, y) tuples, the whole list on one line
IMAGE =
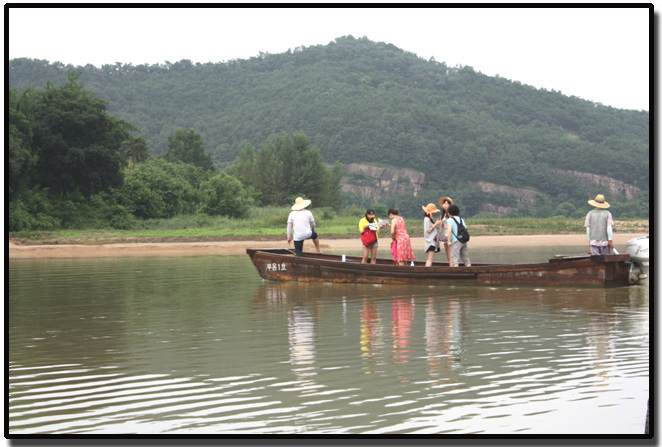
[(543, 350)]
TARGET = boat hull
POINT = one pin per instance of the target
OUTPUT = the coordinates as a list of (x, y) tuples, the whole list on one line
[(594, 271)]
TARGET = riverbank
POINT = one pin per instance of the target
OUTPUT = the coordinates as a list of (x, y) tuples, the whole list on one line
[(239, 247)]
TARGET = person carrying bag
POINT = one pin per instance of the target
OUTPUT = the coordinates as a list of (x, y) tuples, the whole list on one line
[(369, 229)]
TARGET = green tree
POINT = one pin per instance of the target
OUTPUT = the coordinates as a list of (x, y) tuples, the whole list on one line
[(157, 189), (287, 166), (77, 143), (225, 195), (186, 145), (20, 157), (565, 209), (330, 191), (136, 150)]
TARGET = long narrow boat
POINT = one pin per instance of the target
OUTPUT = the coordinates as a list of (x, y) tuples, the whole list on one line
[(596, 271)]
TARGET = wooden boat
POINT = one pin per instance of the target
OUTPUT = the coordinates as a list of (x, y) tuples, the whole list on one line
[(577, 271)]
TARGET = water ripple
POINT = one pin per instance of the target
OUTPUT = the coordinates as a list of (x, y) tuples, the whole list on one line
[(182, 349)]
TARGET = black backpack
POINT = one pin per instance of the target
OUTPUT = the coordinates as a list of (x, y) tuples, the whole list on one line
[(462, 233)]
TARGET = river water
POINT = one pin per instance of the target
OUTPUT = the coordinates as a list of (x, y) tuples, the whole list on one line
[(201, 345)]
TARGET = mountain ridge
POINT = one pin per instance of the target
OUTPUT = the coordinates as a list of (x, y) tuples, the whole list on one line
[(369, 102)]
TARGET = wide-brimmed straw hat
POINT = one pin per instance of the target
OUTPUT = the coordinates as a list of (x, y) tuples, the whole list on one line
[(599, 202), (300, 204), (443, 199), (430, 208)]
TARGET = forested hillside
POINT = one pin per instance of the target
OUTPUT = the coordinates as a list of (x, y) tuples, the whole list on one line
[(368, 102)]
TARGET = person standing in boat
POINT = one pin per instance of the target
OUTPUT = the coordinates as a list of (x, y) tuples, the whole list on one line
[(430, 232), (444, 203), (369, 229), (458, 249), (301, 226), (599, 226), (401, 244)]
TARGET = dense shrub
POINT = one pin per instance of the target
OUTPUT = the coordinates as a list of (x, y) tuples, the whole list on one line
[(225, 195), (31, 212)]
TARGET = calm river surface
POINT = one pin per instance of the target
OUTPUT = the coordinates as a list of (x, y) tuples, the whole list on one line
[(201, 345)]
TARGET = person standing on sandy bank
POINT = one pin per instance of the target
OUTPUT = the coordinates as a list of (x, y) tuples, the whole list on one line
[(301, 226)]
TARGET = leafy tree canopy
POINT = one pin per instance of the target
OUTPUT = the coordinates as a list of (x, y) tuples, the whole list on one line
[(77, 145), (186, 145), (288, 167)]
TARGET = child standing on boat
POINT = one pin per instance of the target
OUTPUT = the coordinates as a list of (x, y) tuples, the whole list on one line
[(370, 225), (401, 245)]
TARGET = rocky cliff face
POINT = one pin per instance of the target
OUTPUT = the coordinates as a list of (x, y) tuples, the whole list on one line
[(374, 182), (521, 196), (611, 188)]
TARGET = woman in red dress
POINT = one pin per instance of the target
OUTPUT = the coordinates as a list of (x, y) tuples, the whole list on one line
[(401, 245)]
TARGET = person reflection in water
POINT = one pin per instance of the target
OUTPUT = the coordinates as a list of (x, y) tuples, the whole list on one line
[(301, 331), (371, 337), (403, 316)]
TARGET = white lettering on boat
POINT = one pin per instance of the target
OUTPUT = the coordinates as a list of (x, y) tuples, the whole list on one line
[(275, 267)]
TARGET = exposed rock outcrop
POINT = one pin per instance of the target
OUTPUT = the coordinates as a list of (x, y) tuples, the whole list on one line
[(522, 197), (610, 187), (376, 182)]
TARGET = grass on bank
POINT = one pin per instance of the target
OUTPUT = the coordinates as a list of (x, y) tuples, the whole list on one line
[(270, 223)]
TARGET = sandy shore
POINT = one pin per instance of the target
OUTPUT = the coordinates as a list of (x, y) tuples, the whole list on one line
[(239, 247)]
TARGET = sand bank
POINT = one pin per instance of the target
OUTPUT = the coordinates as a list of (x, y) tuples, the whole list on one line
[(239, 247)]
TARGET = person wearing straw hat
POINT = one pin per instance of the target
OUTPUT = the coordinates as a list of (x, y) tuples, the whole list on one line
[(430, 232), (301, 226), (444, 203), (599, 227)]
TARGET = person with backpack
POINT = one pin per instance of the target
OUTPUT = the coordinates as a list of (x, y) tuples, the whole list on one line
[(457, 237)]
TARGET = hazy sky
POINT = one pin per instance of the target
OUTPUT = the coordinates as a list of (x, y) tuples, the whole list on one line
[(599, 54)]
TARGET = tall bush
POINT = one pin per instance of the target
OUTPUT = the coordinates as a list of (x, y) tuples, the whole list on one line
[(225, 195)]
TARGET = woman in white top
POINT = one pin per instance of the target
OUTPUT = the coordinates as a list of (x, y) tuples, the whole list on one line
[(430, 232), (301, 223), (444, 203)]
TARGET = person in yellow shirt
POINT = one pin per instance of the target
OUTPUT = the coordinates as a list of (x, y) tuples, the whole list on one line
[(367, 225)]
